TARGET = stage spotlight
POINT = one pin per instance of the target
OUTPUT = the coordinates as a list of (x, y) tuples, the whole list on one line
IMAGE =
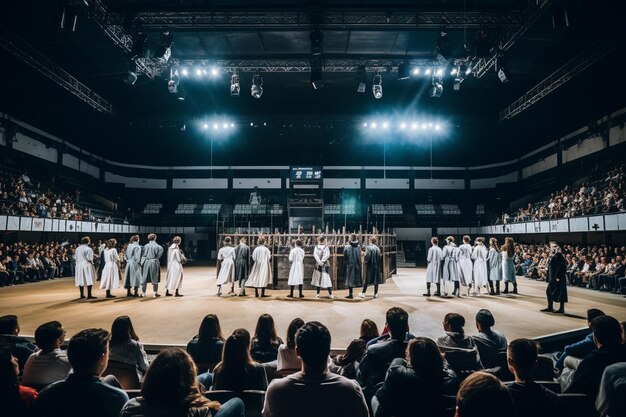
[(256, 90), (385, 125), (454, 71), (424, 126), (503, 73), (404, 71), (225, 125), (251, 124), (214, 72), (205, 125), (374, 125), (428, 71), (416, 71), (215, 126), (430, 125), (365, 124), (232, 125), (317, 42), (235, 87), (164, 49), (184, 72), (439, 72), (437, 127), (198, 72), (414, 126), (377, 86), (402, 125), (361, 78), (457, 83)]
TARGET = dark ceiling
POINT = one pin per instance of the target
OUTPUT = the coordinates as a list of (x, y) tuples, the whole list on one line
[(306, 125)]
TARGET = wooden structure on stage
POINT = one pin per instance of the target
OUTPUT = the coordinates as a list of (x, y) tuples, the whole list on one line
[(281, 243)]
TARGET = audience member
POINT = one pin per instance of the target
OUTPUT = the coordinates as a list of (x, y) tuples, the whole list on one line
[(206, 347), (420, 384), (16, 399), (126, 347), (287, 355), (378, 356), (170, 389), (9, 334), (83, 393), (50, 363), (483, 395), (237, 371), (266, 341), (577, 351), (530, 398), (314, 391), (459, 350), (607, 335), (347, 363), (611, 400), (490, 343)]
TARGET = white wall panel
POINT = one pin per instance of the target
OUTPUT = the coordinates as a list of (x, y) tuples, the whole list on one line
[(611, 222), (199, 183), (617, 135), (90, 169), (387, 183), (596, 223), (578, 224), (249, 183), (35, 148), (132, 182), (13, 223), (482, 183), (3, 222), (440, 184), (338, 183), (541, 166), (37, 224), (583, 148), (70, 161)]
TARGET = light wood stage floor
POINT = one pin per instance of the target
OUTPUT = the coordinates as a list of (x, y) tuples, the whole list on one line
[(175, 320)]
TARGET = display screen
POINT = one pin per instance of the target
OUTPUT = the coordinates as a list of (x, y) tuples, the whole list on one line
[(306, 174)]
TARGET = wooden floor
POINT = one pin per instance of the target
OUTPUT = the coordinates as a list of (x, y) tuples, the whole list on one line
[(175, 320)]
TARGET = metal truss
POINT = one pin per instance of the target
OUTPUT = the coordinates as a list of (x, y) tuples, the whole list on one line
[(578, 64), (237, 20), (41, 63), (532, 14)]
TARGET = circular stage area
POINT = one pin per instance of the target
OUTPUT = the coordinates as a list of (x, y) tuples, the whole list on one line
[(171, 320)]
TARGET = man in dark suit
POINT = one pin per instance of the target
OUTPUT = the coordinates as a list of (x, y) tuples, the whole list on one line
[(557, 282), (375, 363)]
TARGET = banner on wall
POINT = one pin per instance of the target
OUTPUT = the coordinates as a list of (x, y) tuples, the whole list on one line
[(62, 226), (70, 226), (621, 221), (79, 226), (578, 224), (13, 223), (611, 222), (596, 223), (26, 224), (47, 225), (38, 225), (3, 222)]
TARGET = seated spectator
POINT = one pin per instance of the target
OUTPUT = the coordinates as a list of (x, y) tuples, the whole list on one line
[(530, 398), (237, 371), (6, 279), (577, 351), (126, 347), (420, 383), (287, 356), (314, 391), (488, 341), (170, 389), (483, 395), (16, 399), (459, 350), (83, 393), (378, 356), (49, 364), (206, 347), (347, 364), (611, 400), (9, 334), (607, 335), (266, 341)]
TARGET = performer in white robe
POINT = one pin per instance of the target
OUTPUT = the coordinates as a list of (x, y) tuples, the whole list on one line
[(101, 261), (226, 274), (479, 255), (151, 266), (508, 268), (261, 273), (433, 271), (451, 266), (175, 260), (296, 273), (132, 273), (85, 272), (321, 277), (111, 271), (465, 262), (494, 262)]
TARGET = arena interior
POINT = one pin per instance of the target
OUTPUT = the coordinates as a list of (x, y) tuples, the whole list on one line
[(401, 176)]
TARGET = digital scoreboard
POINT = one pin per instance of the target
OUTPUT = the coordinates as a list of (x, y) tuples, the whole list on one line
[(306, 173)]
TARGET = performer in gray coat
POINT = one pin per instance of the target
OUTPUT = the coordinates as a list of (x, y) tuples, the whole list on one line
[(242, 264), (352, 259), (373, 267), (450, 266), (494, 263), (557, 280), (101, 247), (132, 273), (150, 256)]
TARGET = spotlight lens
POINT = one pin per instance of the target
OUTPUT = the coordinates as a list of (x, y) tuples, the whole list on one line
[(184, 72), (374, 125), (216, 126), (453, 72), (430, 125), (225, 125), (439, 71), (214, 71), (437, 127), (385, 125), (414, 126), (428, 71), (264, 123), (416, 71), (199, 72), (402, 125), (365, 124), (424, 126), (205, 125), (232, 125), (251, 124)]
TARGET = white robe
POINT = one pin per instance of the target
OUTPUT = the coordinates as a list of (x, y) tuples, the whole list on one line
[(111, 272), (480, 265), (433, 271), (495, 265), (85, 272), (465, 264), (296, 273), (227, 267), (174, 268), (321, 278), (261, 273), (450, 263)]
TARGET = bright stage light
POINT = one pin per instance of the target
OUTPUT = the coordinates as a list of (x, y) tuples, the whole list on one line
[(437, 126), (205, 125), (402, 125), (453, 72), (439, 71), (198, 72), (414, 126), (184, 72), (232, 125), (430, 125), (427, 71), (424, 126), (365, 124), (214, 72), (377, 86), (416, 71), (385, 125), (374, 125), (225, 125), (215, 126)]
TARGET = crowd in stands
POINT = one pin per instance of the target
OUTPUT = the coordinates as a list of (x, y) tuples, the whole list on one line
[(603, 193), (21, 195), (22, 262), (394, 373), (599, 267)]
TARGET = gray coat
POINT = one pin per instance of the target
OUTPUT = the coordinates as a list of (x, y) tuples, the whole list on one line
[(352, 259), (373, 265), (151, 254), (132, 274), (242, 262)]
